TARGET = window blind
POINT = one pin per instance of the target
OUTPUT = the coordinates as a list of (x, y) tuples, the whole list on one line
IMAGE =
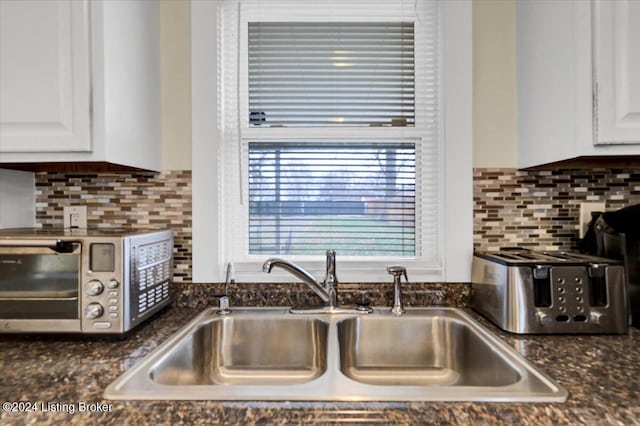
[(356, 198), (307, 121), (331, 74)]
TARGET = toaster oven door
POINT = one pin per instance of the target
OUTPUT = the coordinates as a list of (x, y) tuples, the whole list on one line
[(39, 282)]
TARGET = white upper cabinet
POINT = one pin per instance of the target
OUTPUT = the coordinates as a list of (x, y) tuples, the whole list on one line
[(80, 82), (44, 76), (616, 43), (578, 80)]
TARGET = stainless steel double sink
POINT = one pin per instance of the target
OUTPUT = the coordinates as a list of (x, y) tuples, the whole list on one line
[(427, 354)]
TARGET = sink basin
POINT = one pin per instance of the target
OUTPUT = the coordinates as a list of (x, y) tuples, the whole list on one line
[(237, 351), (420, 351), (428, 354)]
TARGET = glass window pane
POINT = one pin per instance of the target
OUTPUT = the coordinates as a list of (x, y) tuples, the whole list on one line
[(356, 198), (331, 74)]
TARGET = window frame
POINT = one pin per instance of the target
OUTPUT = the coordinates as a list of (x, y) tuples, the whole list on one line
[(210, 241)]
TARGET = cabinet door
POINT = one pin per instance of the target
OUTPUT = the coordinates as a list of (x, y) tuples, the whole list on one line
[(44, 76), (616, 44)]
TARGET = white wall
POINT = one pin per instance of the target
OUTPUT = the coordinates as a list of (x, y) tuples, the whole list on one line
[(175, 84), (17, 199), (495, 133)]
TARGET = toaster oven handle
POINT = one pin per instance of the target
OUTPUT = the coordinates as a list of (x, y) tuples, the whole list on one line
[(61, 246), (28, 243)]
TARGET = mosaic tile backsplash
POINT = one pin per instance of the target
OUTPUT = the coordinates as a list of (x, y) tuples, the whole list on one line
[(537, 209), (131, 200), (541, 209)]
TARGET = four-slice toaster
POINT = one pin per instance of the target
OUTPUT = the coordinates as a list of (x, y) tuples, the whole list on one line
[(537, 292)]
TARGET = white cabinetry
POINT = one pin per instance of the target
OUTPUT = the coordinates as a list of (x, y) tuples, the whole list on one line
[(561, 115), (80, 83), (44, 76), (616, 43)]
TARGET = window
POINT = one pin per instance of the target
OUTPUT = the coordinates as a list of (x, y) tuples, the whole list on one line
[(330, 74), (329, 133), (358, 199)]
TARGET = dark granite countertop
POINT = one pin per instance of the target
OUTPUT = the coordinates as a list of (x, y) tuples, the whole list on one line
[(601, 373)]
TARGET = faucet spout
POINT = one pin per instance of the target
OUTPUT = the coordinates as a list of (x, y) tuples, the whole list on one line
[(327, 290), (299, 273)]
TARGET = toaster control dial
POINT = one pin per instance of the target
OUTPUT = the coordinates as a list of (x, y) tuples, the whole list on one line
[(543, 319), (598, 318), (94, 288), (93, 310)]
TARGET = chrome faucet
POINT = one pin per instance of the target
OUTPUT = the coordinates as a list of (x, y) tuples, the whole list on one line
[(327, 290), (397, 272), (300, 273)]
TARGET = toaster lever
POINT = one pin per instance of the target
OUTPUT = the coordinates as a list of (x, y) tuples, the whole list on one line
[(543, 318), (541, 272)]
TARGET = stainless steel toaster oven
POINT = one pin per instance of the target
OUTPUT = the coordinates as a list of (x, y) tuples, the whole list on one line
[(524, 291), (104, 281)]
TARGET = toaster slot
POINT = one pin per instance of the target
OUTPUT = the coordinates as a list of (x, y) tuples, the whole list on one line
[(541, 287), (597, 286)]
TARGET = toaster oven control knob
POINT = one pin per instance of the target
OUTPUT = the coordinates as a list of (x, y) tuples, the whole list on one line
[(113, 284), (94, 288), (543, 319), (93, 310)]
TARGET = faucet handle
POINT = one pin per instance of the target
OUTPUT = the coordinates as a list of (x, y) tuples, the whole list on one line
[(397, 271), (330, 277)]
